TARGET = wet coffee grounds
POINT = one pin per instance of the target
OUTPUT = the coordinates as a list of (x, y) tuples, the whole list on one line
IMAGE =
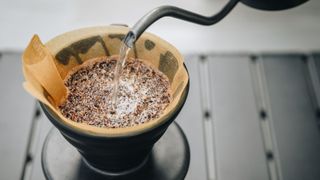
[(144, 93)]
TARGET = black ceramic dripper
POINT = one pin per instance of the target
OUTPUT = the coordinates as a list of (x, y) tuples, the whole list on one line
[(120, 152)]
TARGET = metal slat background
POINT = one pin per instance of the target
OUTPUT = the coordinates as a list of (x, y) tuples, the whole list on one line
[(246, 117), (293, 117), (240, 151), (17, 110), (190, 120), (316, 58)]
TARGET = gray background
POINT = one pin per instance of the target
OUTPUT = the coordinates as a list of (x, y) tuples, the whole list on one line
[(245, 29)]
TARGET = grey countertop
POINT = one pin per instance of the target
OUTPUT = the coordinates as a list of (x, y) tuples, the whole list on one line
[(247, 117)]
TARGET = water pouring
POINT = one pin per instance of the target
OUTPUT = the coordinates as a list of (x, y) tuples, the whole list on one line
[(182, 14)]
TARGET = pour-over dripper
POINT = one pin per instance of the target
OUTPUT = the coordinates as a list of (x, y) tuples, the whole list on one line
[(113, 150)]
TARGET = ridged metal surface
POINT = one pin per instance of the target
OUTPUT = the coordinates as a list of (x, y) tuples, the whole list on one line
[(247, 117)]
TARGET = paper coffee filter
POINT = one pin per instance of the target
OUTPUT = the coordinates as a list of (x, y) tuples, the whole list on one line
[(46, 66)]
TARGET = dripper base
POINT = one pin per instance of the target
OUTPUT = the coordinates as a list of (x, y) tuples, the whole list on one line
[(169, 159)]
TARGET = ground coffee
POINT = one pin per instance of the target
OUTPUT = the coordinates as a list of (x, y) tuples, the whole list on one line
[(144, 92)]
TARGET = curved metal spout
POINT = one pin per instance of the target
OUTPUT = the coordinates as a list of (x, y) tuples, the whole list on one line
[(178, 13)]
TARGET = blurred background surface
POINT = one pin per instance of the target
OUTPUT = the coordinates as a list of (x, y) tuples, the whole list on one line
[(253, 108), (243, 29)]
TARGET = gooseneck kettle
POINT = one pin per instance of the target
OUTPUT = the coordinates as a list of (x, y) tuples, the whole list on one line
[(183, 14)]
